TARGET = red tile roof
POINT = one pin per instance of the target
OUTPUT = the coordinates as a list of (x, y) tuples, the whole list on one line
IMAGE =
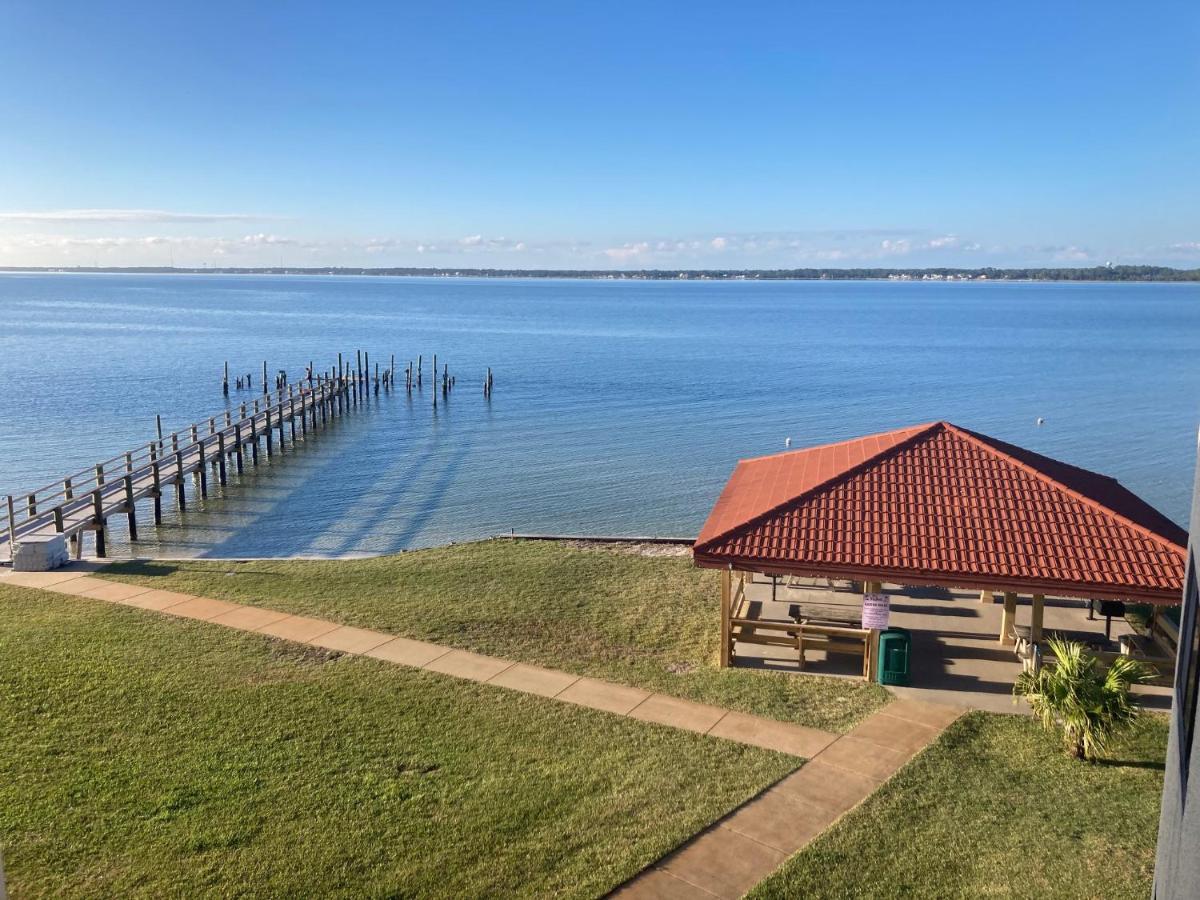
[(938, 504)]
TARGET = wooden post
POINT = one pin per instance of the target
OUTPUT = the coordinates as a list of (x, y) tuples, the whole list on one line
[(1008, 617), (158, 425), (202, 470), (225, 380), (99, 475), (12, 525), (237, 447), (154, 465), (871, 656), (392, 373), (265, 389), (358, 367), (221, 458), (267, 428), (180, 498), (31, 506), (98, 520), (253, 440), (58, 519), (281, 420), (1035, 618), (68, 491), (726, 596), (130, 508), (376, 378)]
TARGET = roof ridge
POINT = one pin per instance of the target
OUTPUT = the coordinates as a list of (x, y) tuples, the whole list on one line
[(1090, 502), (923, 431), (921, 426)]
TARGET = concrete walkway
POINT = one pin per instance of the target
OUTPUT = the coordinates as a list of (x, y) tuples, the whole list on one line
[(77, 580), (730, 857)]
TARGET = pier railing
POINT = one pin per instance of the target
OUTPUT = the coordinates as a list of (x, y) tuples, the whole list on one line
[(83, 500)]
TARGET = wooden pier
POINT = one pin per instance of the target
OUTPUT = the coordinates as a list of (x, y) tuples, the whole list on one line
[(84, 501)]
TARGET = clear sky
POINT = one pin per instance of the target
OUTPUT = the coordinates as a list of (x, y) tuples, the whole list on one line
[(599, 135)]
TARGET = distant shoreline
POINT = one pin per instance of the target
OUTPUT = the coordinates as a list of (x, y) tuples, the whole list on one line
[(1091, 274)]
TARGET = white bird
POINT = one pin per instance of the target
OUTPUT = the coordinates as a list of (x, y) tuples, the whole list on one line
[(787, 442), (1041, 421)]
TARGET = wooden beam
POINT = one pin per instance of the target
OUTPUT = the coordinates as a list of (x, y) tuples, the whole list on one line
[(726, 593), (1008, 617), (1035, 618)]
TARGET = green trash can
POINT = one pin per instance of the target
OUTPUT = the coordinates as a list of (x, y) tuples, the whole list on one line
[(895, 653)]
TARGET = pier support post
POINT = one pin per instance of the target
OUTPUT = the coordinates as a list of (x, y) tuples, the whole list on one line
[(98, 521), (180, 497), (281, 422), (202, 470), (154, 466), (130, 508), (221, 473), (267, 429), (237, 446)]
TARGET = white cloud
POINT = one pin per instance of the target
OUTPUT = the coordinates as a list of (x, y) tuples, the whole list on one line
[(628, 252), (111, 216), (1071, 254), (719, 243)]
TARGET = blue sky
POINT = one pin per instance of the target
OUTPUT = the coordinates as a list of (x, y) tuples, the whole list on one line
[(599, 135)]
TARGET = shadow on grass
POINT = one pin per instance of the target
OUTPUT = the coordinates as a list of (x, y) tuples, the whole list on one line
[(1132, 764), (145, 568)]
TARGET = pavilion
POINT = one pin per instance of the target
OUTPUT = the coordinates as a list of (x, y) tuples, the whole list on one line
[(940, 506)]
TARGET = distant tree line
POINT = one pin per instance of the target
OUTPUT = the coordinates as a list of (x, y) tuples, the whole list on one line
[(1094, 273)]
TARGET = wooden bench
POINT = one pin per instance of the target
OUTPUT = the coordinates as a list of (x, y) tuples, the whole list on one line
[(803, 635)]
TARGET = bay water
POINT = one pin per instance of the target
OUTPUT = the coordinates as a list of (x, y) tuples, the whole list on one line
[(620, 407)]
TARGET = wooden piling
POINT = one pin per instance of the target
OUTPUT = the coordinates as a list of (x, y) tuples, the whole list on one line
[(98, 522), (267, 428), (221, 457), (130, 508), (12, 525), (180, 497), (225, 380), (154, 469), (237, 447), (202, 470)]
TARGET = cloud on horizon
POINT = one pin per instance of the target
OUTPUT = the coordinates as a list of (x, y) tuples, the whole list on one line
[(728, 250)]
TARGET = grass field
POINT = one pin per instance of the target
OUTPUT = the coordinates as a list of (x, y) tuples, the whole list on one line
[(646, 621), (151, 756), (995, 809)]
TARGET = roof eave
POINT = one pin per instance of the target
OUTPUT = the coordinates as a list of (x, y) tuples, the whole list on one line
[(1084, 590)]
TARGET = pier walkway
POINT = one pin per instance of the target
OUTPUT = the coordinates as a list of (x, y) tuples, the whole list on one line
[(84, 501)]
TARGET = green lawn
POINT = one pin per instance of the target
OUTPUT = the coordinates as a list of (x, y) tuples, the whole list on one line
[(995, 809), (151, 756), (645, 621)]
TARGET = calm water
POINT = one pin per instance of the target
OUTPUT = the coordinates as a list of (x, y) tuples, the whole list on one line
[(619, 407)]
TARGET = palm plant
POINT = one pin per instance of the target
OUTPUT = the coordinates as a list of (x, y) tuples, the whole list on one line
[(1088, 702)]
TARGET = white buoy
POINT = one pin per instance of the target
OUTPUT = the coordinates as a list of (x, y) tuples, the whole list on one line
[(1041, 421), (787, 442)]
